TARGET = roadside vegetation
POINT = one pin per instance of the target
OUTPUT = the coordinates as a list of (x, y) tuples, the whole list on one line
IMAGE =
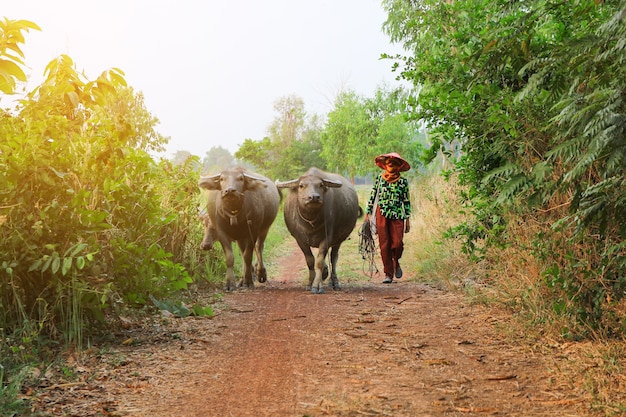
[(514, 122), (533, 96)]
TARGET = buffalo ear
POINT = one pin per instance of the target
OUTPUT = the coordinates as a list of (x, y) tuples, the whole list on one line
[(331, 183), (210, 183)]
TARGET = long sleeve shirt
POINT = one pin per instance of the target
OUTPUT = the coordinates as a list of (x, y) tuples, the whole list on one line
[(393, 198)]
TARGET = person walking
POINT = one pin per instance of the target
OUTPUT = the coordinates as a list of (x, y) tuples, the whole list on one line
[(390, 204)]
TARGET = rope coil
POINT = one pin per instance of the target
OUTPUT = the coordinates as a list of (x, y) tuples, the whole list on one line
[(367, 249)]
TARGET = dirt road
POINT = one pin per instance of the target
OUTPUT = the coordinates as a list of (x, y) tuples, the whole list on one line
[(404, 349)]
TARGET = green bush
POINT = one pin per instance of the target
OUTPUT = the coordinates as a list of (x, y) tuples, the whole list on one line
[(87, 215)]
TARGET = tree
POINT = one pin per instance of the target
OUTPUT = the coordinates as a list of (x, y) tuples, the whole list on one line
[(289, 122), (292, 144), (216, 160), (310, 145), (259, 154), (180, 157), (396, 132), (348, 135)]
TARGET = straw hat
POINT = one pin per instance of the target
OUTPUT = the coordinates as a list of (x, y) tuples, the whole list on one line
[(381, 160)]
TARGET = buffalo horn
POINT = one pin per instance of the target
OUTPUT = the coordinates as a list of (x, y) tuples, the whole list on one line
[(287, 184), (331, 183), (210, 183), (252, 177)]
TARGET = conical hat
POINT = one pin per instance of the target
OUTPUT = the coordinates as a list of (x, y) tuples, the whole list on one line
[(382, 159)]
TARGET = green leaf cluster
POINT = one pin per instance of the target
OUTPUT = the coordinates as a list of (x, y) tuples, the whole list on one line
[(179, 309), (11, 55)]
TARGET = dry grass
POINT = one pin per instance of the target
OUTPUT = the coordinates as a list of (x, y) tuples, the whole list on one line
[(512, 278), (517, 283), (438, 260)]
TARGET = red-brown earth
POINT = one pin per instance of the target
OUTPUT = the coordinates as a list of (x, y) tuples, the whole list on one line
[(369, 349)]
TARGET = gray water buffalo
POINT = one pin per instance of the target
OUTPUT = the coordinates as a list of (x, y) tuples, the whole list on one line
[(241, 207), (320, 210)]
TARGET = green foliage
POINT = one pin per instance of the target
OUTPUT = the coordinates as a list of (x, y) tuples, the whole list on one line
[(11, 55), (87, 216), (10, 402), (534, 93), (483, 230), (358, 129), (585, 286), (179, 309), (90, 222)]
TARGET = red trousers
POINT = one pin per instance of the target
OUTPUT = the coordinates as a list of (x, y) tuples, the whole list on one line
[(390, 240)]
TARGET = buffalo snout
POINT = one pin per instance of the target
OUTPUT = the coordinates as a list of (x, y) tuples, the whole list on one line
[(314, 198), (230, 191)]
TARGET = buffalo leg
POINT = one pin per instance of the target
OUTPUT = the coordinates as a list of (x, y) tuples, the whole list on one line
[(261, 272), (320, 262), (247, 250), (230, 264), (310, 262), (334, 255)]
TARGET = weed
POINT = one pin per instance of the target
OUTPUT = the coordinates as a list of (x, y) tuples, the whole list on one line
[(10, 402)]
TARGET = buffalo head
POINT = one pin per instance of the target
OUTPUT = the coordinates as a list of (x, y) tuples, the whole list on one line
[(310, 189), (231, 185)]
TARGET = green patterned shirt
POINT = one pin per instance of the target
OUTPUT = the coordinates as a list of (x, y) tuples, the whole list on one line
[(393, 199)]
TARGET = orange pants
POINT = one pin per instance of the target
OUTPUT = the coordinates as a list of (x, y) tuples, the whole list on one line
[(390, 240)]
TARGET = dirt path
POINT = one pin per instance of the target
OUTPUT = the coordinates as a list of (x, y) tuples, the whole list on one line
[(404, 349)]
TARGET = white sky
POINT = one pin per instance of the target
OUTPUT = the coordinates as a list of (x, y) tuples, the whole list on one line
[(211, 70)]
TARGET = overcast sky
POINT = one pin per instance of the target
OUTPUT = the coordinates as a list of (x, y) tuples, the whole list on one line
[(211, 70)]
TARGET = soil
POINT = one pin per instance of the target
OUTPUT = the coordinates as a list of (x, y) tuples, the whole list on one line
[(369, 349)]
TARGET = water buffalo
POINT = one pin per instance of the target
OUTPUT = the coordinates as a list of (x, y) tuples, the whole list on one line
[(320, 210), (241, 207)]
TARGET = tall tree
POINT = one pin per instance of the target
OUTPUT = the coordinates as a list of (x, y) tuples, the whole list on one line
[(349, 134), (289, 122)]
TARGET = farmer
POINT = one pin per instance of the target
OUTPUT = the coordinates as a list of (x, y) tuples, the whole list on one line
[(389, 201)]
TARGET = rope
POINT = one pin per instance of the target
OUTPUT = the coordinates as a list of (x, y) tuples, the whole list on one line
[(367, 249)]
